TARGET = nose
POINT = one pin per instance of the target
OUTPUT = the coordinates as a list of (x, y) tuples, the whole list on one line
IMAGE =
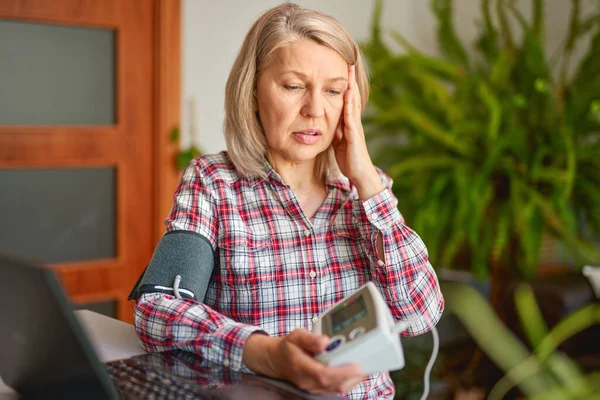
[(313, 106)]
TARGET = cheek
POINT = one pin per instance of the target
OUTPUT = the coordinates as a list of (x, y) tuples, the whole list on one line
[(277, 117), (336, 108), (280, 109), (270, 113), (336, 104)]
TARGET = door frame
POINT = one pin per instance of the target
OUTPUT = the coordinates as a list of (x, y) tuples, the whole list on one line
[(112, 279), (167, 106)]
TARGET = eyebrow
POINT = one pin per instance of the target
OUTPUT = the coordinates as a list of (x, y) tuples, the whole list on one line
[(304, 76)]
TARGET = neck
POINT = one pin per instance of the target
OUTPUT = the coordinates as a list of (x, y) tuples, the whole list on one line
[(301, 177)]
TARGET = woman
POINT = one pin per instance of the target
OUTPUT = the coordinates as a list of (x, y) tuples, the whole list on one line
[(292, 218)]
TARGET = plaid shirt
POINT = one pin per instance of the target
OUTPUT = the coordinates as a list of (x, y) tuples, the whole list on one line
[(278, 271)]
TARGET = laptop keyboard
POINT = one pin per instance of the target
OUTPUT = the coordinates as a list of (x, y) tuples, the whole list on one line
[(137, 381)]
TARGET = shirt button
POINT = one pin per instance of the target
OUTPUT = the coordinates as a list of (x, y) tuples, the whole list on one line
[(226, 362), (312, 274), (374, 216), (315, 319), (307, 232), (380, 263)]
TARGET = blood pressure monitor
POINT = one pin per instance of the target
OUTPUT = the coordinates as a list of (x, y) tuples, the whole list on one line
[(361, 330)]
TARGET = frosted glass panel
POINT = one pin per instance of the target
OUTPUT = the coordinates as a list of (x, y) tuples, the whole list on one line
[(56, 75), (58, 215)]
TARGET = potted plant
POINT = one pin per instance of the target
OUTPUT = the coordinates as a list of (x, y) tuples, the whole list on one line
[(492, 148), (489, 150)]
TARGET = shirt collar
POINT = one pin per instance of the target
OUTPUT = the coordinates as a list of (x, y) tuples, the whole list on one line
[(270, 173), (333, 181), (340, 182)]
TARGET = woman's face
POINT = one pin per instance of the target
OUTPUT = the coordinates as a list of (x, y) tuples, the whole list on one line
[(300, 98)]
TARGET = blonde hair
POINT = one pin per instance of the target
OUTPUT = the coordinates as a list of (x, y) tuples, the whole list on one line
[(276, 28)]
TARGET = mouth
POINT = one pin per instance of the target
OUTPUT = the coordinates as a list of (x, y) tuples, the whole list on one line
[(310, 132), (307, 136)]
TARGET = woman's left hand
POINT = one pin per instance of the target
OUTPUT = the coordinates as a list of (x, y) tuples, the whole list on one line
[(350, 146)]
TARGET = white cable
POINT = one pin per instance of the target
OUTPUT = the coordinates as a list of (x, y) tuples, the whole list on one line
[(401, 326), (176, 286), (434, 353)]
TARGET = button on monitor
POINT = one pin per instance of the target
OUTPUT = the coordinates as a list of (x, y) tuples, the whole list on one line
[(334, 344), (356, 332)]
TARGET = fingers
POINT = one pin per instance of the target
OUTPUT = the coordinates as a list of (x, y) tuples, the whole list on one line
[(353, 94), (308, 341), (350, 95), (350, 383), (319, 378), (340, 379), (352, 102), (300, 367)]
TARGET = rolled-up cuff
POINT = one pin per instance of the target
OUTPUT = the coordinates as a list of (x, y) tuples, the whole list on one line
[(227, 345)]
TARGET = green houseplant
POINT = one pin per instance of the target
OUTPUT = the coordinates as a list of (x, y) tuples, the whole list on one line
[(183, 157), (544, 373), (489, 150)]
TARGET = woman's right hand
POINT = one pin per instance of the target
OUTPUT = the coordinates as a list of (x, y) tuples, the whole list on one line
[(291, 358)]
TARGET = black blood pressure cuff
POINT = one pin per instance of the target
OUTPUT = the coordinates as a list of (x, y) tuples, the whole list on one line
[(182, 265)]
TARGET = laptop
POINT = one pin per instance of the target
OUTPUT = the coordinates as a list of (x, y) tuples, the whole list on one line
[(45, 353)]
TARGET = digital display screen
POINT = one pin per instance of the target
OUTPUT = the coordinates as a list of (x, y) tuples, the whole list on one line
[(349, 312)]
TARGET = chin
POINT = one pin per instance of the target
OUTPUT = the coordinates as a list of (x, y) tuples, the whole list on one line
[(307, 154), (299, 153)]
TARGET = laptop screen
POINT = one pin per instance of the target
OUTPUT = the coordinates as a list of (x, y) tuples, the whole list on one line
[(44, 349), (46, 354)]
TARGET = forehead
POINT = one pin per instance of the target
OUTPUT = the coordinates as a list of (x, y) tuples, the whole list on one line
[(308, 57)]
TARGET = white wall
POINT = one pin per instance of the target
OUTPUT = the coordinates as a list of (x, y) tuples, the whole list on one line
[(213, 31)]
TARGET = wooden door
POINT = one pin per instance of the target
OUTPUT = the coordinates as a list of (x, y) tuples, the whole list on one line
[(114, 158)]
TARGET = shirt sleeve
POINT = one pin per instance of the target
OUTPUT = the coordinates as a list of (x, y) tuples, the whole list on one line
[(402, 272), (194, 204), (163, 322)]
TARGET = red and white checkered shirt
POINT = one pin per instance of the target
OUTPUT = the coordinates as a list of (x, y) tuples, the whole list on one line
[(278, 271)]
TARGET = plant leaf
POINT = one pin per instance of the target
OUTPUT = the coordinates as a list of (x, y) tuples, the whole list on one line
[(449, 42)]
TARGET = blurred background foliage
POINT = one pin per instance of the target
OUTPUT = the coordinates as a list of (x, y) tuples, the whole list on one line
[(530, 367), (540, 373), (492, 147), (184, 157)]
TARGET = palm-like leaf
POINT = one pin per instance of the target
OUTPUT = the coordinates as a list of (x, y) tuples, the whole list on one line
[(490, 154)]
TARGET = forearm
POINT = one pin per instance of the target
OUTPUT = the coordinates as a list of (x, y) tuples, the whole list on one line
[(400, 264), (258, 354), (368, 184), (163, 322), (379, 223), (413, 295), (408, 280)]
